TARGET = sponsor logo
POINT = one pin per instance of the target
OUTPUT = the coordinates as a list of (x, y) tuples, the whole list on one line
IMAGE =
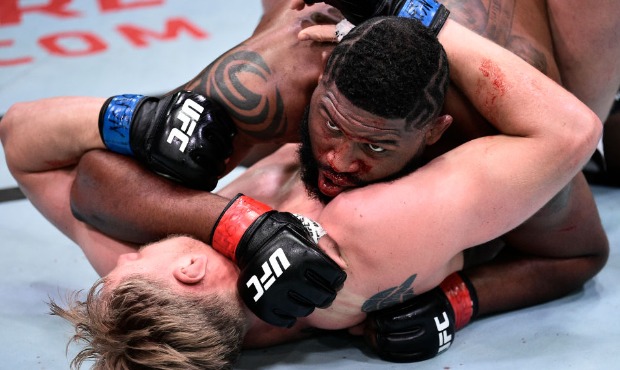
[(272, 269), (445, 339), (189, 114)]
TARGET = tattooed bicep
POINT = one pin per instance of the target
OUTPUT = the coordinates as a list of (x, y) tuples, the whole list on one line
[(391, 296), (493, 19), (244, 83)]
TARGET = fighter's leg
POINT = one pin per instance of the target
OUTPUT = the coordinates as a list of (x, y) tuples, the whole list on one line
[(585, 37)]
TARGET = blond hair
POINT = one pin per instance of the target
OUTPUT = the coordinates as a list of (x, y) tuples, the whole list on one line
[(141, 324)]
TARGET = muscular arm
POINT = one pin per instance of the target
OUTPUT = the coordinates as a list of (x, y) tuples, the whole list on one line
[(483, 188), (266, 82), (247, 80), (42, 151), (529, 159), (564, 244), (120, 198), (553, 253), (586, 43)]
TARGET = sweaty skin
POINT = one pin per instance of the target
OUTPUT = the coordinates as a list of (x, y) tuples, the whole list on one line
[(572, 43), (563, 245), (264, 92), (368, 205)]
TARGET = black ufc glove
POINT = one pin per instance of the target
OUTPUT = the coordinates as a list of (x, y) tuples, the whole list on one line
[(284, 275), (424, 326), (185, 136), (431, 13)]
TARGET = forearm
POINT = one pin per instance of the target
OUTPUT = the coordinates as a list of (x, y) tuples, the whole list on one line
[(552, 254), (546, 134), (500, 84), (525, 281), (50, 134), (124, 200)]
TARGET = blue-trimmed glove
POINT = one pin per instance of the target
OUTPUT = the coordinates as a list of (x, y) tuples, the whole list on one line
[(431, 13), (184, 136)]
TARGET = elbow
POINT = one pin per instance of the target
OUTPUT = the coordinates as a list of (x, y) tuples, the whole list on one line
[(596, 129), (13, 142), (6, 125), (598, 259), (83, 207), (573, 273), (7, 132), (588, 133), (585, 268), (576, 139), (80, 208)]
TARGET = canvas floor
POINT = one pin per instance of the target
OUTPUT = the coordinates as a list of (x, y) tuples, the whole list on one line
[(77, 49)]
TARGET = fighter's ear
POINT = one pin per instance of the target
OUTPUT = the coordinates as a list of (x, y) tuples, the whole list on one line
[(192, 270), (437, 128), (324, 58)]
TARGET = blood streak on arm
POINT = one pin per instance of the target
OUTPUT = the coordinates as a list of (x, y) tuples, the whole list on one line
[(491, 71)]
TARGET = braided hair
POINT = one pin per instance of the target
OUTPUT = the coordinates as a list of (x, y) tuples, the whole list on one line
[(393, 68)]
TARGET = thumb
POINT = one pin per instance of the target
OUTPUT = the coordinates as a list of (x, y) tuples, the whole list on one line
[(319, 33)]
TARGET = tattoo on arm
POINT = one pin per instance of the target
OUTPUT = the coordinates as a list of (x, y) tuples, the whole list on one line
[(495, 22), (391, 296), (243, 82)]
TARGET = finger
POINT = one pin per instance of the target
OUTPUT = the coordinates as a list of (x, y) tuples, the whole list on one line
[(297, 4), (320, 33)]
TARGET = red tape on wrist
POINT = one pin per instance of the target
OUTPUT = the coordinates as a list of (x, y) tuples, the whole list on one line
[(239, 215), (459, 296)]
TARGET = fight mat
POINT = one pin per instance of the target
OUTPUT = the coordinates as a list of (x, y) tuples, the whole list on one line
[(105, 47)]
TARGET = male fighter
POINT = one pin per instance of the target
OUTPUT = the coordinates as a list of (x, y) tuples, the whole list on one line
[(468, 191), (563, 245)]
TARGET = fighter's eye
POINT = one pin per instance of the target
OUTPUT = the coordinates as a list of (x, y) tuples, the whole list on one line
[(331, 126), (376, 148)]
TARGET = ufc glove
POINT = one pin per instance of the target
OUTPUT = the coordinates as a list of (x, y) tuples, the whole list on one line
[(424, 326), (284, 275), (431, 13), (185, 136)]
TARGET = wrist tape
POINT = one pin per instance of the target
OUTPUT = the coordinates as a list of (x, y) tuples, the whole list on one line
[(462, 297), (431, 13), (314, 229), (115, 122), (233, 222)]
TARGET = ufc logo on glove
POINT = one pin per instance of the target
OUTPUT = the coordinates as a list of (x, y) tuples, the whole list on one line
[(273, 265), (189, 114), (445, 339)]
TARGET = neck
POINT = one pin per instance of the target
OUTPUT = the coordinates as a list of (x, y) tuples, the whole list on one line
[(261, 334)]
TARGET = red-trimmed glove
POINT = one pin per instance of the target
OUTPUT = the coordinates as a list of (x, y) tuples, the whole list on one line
[(284, 275), (431, 13), (423, 327)]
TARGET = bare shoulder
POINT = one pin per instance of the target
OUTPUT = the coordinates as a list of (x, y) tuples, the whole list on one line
[(393, 231)]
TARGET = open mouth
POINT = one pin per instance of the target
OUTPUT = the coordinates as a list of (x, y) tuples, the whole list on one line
[(332, 184)]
